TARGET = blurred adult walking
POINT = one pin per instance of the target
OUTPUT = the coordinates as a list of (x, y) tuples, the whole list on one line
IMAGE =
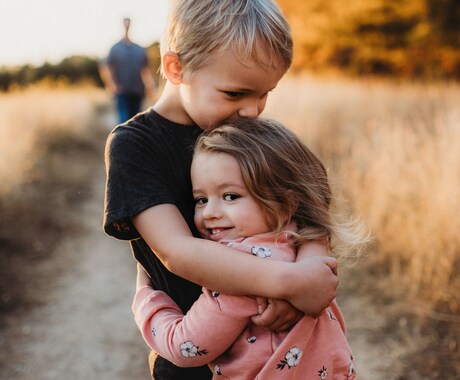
[(126, 74)]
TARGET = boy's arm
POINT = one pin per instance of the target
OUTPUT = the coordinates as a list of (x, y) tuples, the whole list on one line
[(309, 284), (272, 309), (311, 250), (207, 330)]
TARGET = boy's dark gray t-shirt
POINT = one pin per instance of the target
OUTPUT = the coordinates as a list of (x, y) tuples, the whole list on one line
[(148, 163)]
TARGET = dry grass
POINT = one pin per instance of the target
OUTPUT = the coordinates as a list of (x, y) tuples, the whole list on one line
[(29, 117)]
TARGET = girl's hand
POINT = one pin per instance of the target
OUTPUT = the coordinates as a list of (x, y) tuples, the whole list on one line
[(142, 278), (276, 315)]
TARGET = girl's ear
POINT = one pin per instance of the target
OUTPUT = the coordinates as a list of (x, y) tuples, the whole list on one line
[(172, 67), (289, 207), (293, 202)]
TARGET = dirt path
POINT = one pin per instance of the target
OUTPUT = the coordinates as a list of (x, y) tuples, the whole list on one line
[(85, 330), (364, 323)]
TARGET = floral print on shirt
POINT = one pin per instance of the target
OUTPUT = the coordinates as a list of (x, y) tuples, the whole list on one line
[(322, 373), (262, 252), (291, 359), (189, 350)]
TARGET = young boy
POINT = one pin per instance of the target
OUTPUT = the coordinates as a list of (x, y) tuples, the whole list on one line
[(220, 59)]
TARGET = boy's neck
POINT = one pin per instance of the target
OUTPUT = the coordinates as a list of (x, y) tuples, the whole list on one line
[(169, 106)]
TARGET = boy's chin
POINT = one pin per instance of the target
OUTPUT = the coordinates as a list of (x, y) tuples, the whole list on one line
[(210, 124), (207, 127)]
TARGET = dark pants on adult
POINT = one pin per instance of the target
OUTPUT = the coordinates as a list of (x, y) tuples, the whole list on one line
[(128, 105)]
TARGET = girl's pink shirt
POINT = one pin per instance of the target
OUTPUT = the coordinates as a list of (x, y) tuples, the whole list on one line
[(217, 331)]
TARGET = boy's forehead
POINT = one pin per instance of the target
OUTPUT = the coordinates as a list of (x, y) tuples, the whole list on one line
[(260, 55), (261, 62)]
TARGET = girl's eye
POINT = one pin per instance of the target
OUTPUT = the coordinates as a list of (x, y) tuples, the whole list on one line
[(201, 201), (230, 197)]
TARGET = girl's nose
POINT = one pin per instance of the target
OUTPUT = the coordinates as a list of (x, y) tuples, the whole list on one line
[(211, 210)]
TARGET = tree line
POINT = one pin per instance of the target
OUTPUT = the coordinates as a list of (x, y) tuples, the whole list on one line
[(71, 70)]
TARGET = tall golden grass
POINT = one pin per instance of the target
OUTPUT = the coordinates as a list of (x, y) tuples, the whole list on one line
[(30, 115), (395, 151)]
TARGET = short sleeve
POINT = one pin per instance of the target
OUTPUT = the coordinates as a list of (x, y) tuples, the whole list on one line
[(146, 165)]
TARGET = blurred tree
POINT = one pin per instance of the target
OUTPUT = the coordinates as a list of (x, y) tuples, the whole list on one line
[(5, 80), (404, 38), (153, 53), (76, 68), (444, 16)]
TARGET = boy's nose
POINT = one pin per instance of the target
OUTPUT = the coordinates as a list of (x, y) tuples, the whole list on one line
[(250, 110)]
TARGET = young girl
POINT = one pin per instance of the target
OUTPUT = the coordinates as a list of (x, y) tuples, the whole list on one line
[(259, 190)]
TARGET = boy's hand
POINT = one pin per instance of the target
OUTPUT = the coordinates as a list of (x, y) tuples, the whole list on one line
[(276, 315), (318, 283), (142, 278)]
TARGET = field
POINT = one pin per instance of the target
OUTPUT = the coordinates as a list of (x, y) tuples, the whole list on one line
[(392, 150)]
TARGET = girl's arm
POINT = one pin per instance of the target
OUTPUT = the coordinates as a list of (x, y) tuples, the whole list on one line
[(309, 284), (209, 328)]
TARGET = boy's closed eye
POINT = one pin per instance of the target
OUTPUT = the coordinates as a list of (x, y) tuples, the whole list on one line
[(234, 94), (239, 94)]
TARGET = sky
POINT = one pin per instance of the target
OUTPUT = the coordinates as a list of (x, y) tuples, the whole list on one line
[(38, 31)]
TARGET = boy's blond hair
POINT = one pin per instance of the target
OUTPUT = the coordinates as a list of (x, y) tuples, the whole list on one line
[(251, 28)]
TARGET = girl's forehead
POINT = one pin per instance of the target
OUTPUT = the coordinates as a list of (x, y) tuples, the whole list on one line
[(215, 166)]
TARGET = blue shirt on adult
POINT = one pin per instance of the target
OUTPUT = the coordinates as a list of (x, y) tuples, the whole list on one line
[(126, 60)]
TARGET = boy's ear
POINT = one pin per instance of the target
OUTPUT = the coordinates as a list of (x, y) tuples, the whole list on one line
[(172, 67)]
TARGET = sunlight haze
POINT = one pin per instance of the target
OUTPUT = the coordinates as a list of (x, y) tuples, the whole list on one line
[(38, 31)]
